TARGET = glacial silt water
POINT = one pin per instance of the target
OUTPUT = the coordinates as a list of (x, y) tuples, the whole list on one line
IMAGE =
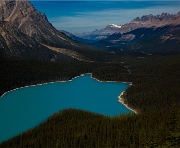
[(27, 107)]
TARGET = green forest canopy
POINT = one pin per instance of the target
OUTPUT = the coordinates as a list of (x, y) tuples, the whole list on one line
[(154, 93)]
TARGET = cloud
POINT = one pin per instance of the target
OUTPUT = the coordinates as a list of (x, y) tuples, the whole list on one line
[(99, 19)]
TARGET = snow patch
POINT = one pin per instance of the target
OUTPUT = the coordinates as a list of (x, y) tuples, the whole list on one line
[(114, 25)]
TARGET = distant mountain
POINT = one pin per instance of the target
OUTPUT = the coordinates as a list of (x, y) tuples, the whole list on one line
[(156, 40), (26, 32), (148, 33), (161, 40), (29, 21), (99, 34), (76, 38), (148, 21)]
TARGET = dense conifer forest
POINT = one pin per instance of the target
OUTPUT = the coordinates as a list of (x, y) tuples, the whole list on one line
[(154, 94), (21, 72), (155, 80), (76, 128)]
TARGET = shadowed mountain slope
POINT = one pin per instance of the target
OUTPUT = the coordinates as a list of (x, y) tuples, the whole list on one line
[(14, 42), (156, 40), (23, 19)]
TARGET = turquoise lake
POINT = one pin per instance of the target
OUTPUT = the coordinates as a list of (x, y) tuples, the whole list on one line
[(27, 107)]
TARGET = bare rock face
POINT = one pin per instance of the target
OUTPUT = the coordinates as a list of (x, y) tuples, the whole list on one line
[(23, 30), (148, 21), (28, 20), (15, 43), (130, 26), (6, 7)]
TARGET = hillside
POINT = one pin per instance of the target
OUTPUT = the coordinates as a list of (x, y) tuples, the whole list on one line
[(148, 56), (14, 42), (154, 93), (148, 21), (24, 20), (29, 21), (99, 34), (154, 40)]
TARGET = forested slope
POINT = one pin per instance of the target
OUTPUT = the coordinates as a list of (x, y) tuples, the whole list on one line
[(76, 128), (155, 80), (156, 83), (154, 93), (21, 72)]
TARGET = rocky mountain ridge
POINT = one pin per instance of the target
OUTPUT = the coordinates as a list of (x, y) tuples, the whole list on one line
[(162, 17), (153, 40), (23, 28), (28, 20), (15, 43), (76, 38), (99, 34), (148, 21), (151, 25), (25, 32)]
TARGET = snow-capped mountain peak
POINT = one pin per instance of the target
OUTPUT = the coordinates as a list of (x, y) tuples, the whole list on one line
[(114, 25)]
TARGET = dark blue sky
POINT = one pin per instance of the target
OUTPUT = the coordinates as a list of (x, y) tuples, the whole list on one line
[(83, 16)]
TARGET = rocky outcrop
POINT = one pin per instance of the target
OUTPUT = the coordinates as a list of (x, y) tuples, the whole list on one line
[(99, 34), (15, 43), (148, 21), (23, 30), (6, 7), (28, 20)]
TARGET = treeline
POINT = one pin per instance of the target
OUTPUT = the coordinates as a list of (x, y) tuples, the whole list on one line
[(154, 94), (76, 128), (156, 83), (16, 73)]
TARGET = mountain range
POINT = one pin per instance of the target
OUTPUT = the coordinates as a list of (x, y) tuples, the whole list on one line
[(157, 34), (76, 38), (134, 52), (146, 21), (99, 34), (147, 33), (25, 32)]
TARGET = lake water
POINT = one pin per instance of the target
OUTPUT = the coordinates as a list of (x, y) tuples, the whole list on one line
[(27, 107)]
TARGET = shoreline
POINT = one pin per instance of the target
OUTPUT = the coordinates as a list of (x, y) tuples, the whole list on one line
[(121, 100), (39, 84), (130, 83)]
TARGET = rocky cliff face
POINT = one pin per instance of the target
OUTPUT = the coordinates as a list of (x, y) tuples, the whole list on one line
[(24, 31), (20, 31), (28, 20), (6, 7), (19, 13), (15, 43), (148, 21), (99, 34), (159, 34), (164, 18)]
